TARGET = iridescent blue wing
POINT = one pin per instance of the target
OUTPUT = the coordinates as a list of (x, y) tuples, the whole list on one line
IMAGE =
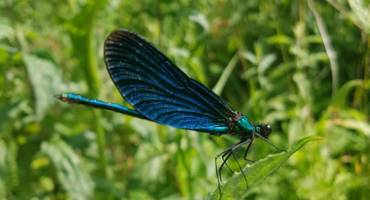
[(159, 90)]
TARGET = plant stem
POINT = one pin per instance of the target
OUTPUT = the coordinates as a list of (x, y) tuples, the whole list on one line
[(328, 46)]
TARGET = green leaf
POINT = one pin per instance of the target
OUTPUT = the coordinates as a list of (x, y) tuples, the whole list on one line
[(8, 167), (361, 12), (266, 62), (6, 28), (69, 169), (358, 125), (46, 81), (339, 100), (201, 19), (236, 187), (280, 39)]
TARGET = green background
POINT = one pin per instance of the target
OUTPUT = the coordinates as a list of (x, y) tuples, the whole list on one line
[(302, 66)]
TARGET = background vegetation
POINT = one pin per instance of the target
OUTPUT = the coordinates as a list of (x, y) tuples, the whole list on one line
[(302, 66)]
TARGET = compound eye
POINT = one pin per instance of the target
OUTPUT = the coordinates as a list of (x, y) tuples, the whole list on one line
[(268, 128)]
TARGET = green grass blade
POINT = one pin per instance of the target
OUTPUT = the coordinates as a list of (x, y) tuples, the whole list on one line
[(236, 186), (225, 75)]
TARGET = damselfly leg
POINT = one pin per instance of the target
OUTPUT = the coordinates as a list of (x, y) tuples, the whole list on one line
[(247, 150), (225, 155)]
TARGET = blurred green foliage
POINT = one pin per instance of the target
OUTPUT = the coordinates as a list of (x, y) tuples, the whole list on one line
[(274, 67)]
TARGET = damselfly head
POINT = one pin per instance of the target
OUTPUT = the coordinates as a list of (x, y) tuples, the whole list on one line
[(264, 130)]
